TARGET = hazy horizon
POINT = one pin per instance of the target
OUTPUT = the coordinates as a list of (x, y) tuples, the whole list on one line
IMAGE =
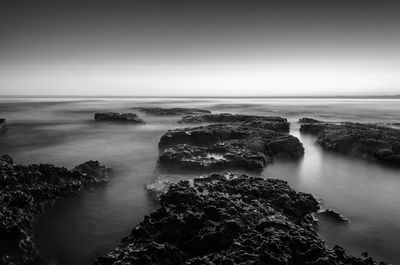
[(207, 48), (205, 97)]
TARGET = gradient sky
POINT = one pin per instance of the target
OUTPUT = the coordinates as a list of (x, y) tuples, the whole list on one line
[(202, 48)]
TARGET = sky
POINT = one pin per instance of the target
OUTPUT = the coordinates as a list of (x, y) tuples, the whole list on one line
[(200, 48)]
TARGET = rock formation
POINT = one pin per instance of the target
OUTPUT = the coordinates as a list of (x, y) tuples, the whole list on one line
[(225, 146), (25, 192), (118, 117), (370, 141), (229, 219), (332, 215), (172, 111), (266, 122)]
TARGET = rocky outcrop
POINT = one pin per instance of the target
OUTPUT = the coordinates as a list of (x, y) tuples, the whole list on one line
[(25, 192), (370, 141), (225, 146), (172, 111), (270, 123), (2, 125), (312, 126), (231, 220), (118, 117)]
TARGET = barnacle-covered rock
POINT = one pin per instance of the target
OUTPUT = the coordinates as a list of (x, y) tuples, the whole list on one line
[(229, 219), (225, 146)]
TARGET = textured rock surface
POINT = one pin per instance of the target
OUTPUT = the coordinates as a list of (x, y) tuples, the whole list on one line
[(2, 125), (228, 219), (172, 111), (118, 117), (225, 146), (370, 141), (25, 191), (270, 123)]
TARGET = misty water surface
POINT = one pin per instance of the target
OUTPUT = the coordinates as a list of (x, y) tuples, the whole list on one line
[(89, 224)]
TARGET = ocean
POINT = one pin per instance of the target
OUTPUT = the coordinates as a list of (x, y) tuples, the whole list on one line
[(78, 229)]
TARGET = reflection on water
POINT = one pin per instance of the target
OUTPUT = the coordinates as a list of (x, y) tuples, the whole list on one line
[(81, 228), (366, 193)]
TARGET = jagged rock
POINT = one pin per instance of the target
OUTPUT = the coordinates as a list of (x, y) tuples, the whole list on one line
[(118, 117), (229, 219), (270, 123), (2, 125), (370, 141), (26, 191), (172, 111), (225, 146), (332, 215)]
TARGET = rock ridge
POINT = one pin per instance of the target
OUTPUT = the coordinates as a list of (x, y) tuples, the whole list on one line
[(118, 117), (369, 141), (156, 111)]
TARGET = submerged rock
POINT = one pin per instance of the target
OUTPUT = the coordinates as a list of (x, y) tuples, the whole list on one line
[(370, 141), (229, 219), (118, 117), (266, 122), (333, 216), (225, 146), (2, 125), (172, 111), (25, 192)]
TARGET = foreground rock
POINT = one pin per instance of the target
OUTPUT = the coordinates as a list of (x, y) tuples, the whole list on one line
[(118, 117), (370, 141), (270, 123), (2, 125), (225, 146), (228, 219), (172, 111), (25, 192)]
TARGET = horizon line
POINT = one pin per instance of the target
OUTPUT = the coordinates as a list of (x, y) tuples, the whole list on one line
[(194, 96)]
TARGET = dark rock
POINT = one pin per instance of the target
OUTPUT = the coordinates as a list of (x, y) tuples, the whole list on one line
[(172, 111), (333, 216), (225, 146), (118, 117), (91, 172), (270, 123), (370, 141), (393, 159), (311, 126), (229, 219), (2, 125), (25, 192), (308, 120)]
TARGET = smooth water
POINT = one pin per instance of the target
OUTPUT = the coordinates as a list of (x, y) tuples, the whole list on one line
[(92, 222)]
